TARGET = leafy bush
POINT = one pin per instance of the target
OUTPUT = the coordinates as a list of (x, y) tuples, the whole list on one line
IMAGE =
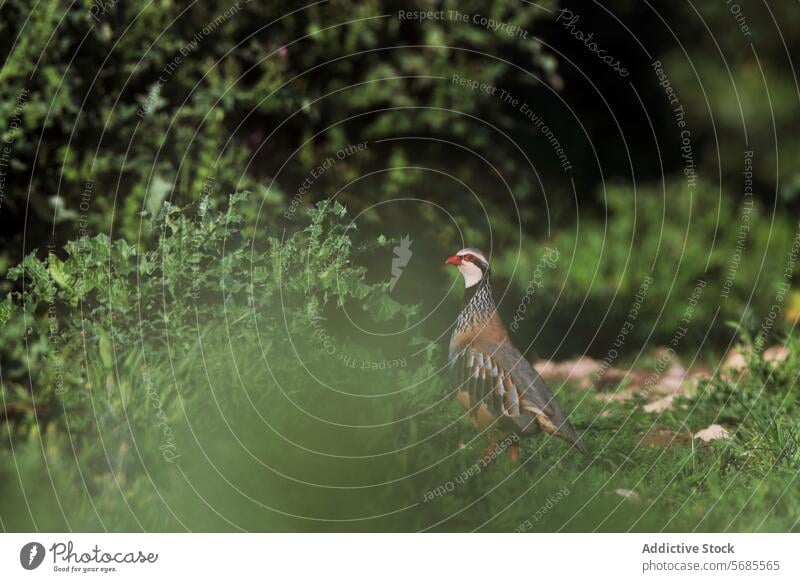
[(189, 98), (120, 363)]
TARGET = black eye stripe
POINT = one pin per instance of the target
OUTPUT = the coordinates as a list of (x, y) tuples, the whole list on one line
[(477, 260)]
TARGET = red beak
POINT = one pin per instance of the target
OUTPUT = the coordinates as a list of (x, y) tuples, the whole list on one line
[(454, 260)]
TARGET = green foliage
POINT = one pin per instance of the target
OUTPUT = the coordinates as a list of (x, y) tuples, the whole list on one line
[(153, 103), (121, 366), (749, 99), (661, 244)]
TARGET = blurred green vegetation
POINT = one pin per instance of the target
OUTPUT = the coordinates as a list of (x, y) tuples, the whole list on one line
[(661, 246), (197, 325)]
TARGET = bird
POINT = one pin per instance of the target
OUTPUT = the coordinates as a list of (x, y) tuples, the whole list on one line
[(503, 394)]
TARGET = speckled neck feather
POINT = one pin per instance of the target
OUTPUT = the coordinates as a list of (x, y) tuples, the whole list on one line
[(478, 306)]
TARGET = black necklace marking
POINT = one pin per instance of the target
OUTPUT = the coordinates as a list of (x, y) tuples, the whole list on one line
[(478, 305)]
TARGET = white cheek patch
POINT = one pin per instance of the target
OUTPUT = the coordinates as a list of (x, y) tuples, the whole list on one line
[(471, 273)]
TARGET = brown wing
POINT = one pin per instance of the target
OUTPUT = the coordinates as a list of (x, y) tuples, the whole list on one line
[(489, 392), (499, 386), (536, 396)]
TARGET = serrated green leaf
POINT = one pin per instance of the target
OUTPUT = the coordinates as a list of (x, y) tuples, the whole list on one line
[(59, 275)]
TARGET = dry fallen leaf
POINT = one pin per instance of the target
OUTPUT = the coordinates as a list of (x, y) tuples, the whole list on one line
[(712, 433), (628, 494), (579, 371), (661, 404), (671, 381)]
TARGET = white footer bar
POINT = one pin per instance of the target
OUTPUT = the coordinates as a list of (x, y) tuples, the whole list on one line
[(401, 557)]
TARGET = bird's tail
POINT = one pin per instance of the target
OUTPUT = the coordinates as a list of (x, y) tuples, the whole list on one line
[(568, 433), (582, 448)]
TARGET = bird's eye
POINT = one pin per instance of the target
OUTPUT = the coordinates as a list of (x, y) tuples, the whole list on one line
[(468, 257)]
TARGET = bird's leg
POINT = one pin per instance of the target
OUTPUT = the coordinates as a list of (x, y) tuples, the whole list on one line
[(489, 454), (515, 452)]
